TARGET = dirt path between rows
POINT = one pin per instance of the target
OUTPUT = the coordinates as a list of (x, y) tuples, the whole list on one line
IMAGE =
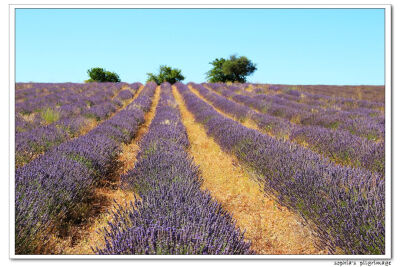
[(271, 228), (90, 234)]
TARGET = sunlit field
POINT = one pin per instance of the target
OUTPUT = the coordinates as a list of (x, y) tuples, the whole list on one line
[(190, 168)]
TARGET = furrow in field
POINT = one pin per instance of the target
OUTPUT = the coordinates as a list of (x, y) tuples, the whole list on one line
[(112, 196), (271, 228), (130, 151)]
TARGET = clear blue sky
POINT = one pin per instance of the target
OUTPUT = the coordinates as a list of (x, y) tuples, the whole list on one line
[(289, 46)]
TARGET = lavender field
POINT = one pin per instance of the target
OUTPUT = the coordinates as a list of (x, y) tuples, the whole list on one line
[(137, 169)]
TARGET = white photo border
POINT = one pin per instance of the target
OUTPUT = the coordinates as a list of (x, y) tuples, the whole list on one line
[(388, 127)]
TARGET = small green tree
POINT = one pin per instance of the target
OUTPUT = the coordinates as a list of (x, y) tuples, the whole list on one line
[(234, 69), (101, 75), (216, 74), (166, 74)]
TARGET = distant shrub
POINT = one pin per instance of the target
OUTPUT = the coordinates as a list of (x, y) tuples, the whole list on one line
[(166, 74), (101, 75), (234, 69)]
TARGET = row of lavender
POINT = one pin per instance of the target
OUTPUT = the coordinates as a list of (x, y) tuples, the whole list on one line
[(364, 118), (326, 105), (69, 109), (50, 189), (174, 216), (364, 122), (66, 101), (361, 107), (329, 112), (351, 96), (339, 145), (65, 98), (298, 94), (346, 205)]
